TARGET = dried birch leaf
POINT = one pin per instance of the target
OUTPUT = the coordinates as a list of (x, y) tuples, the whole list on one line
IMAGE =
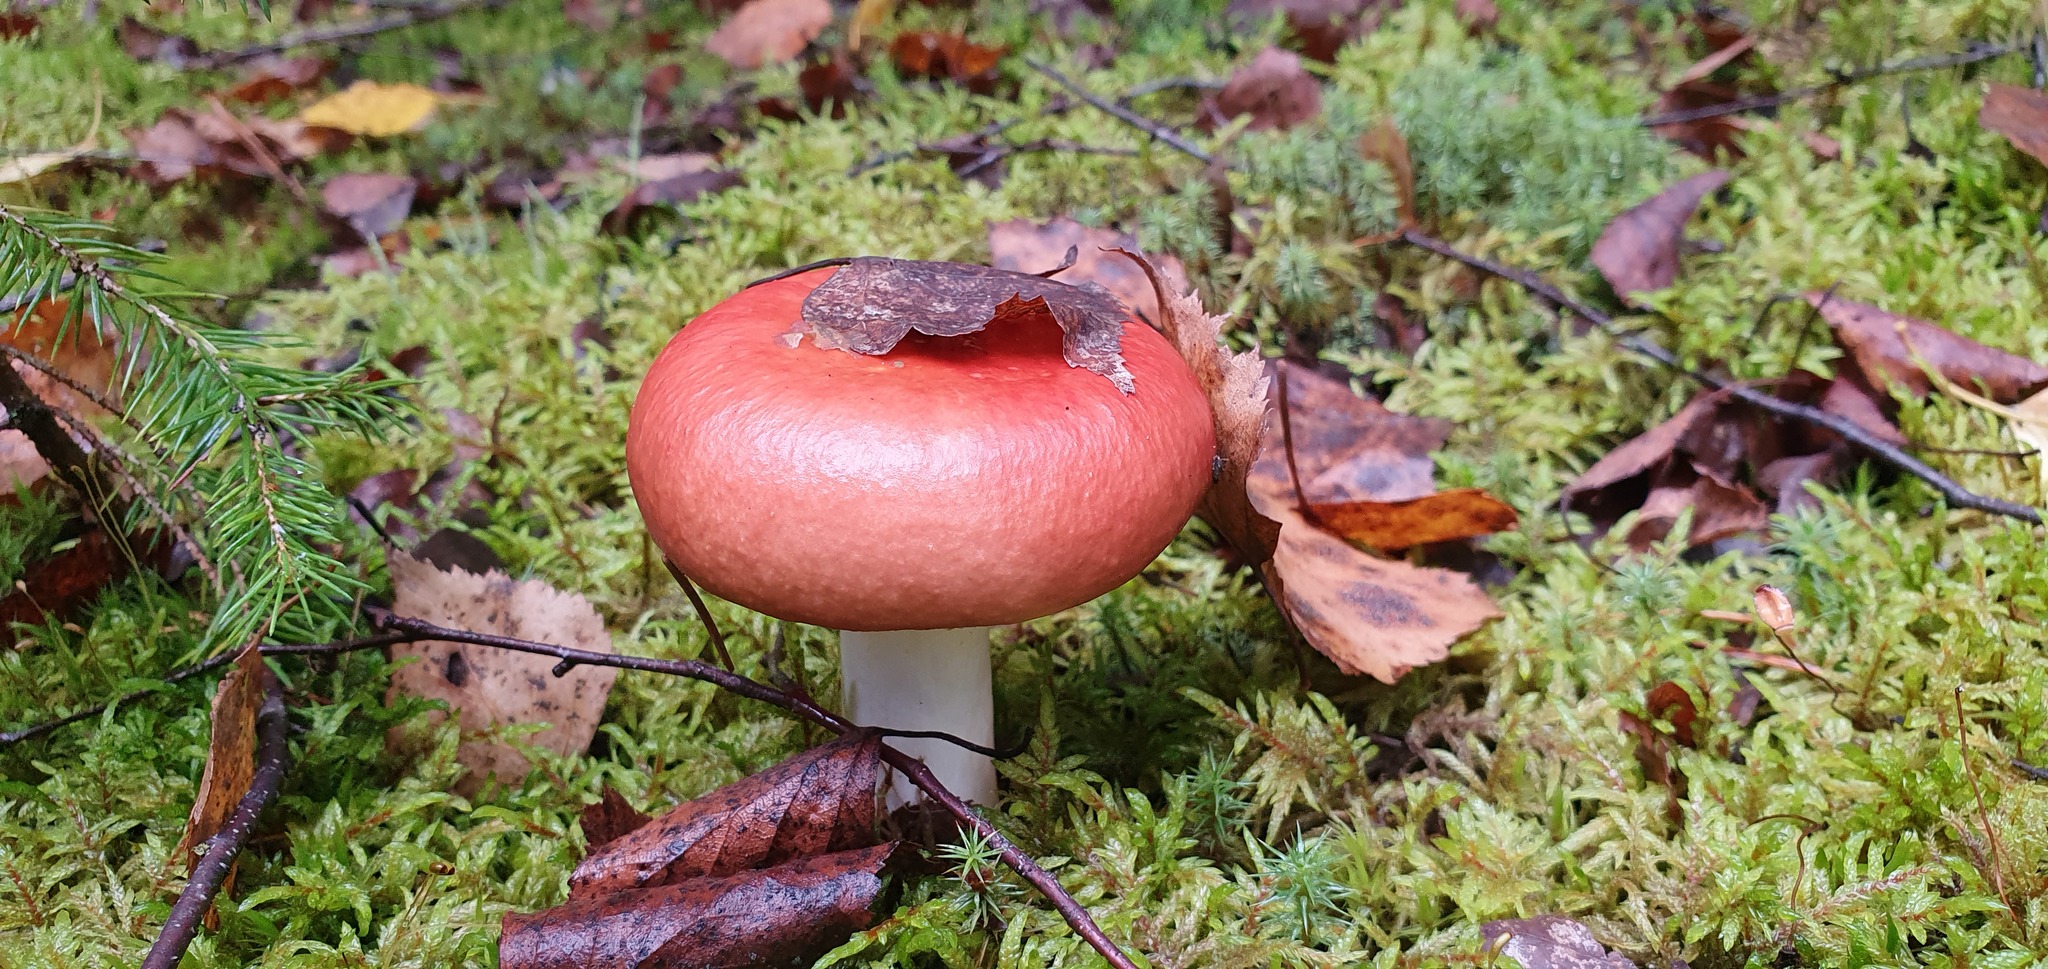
[(492, 687), (230, 752), (1638, 251)]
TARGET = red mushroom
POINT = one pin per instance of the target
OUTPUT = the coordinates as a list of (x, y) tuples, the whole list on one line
[(913, 498)]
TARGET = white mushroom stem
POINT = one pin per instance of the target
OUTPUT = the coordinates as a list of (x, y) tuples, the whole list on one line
[(925, 679)]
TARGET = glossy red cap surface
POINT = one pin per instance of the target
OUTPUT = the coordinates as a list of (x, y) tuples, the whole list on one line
[(960, 481)]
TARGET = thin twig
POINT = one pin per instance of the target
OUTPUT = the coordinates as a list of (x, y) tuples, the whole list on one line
[(272, 756), (1159, 132), (1976, 52), (1984, 816), (27, 413), (703, 614), (410, 16), (1849, 430)]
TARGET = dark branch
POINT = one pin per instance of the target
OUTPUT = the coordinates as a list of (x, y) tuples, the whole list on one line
[(271, 759), (1975, 53), (408, 17), (1849, 430), (28, 414), (1159, 132)]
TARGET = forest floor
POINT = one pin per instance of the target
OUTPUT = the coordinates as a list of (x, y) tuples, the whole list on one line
[(1628, 745)]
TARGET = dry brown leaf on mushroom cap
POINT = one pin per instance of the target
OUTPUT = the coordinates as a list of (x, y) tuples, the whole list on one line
[(819, 801), (489, 688), (1638, 251), (873, 302), (1021, 245)]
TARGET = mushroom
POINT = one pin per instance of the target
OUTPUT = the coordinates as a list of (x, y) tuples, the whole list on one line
[(914, 498)]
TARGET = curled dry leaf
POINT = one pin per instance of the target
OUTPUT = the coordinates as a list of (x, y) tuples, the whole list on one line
[(371, 204), (2020, 114), (491, 687), (873, 302), (55, 586), (1379, 617), (1638, 251), (230, 752), (184, 143), (1446, 516), (1878, 342), (1274, 89), (787, 915), (1384, 144), (1720, 508), (1550, 942), (79, 351), (1021, 245), (1236, 386), (769, 32), (819, 801)]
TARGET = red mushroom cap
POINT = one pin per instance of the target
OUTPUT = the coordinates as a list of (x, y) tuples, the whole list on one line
[(960, 481)]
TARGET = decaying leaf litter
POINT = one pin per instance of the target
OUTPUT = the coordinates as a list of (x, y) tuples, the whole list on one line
[(1627, 657)]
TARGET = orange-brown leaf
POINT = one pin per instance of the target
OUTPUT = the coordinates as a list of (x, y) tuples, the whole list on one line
[(230, 752), (1446, 516), (769, 31), (2020, 114), (1384, 144)]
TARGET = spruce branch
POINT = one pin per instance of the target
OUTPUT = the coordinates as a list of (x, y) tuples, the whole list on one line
[(213, 418)]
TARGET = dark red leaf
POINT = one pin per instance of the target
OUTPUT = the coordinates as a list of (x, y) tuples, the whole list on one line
[(371, 204), (2020, 114), (16, 24), (610, 819), (1638, 251), (1669, 701), (1879, 342), (820, 800), (54, 586), (1273, 89), (787, 915)]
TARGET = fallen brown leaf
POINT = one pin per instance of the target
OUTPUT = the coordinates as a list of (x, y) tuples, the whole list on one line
[(1384, 144), (1478, 16), (145, 43), (16, 24), (935, 56), (371, 204), (1319, 27), (230, 752), (1550, 942), (1723, 56), (1273, 89), (1021, 245), (610, 819), (1877, 340), (873, 302), (1714, 138), (184, 143), (787, 915), (79, 351), (769, 32), (1638, 251), (1720, 509), (1669, 701), (1379, 617), (624, 218), (2020, 114), (267, 79), (53, 587), (489, 687), (819, 801)]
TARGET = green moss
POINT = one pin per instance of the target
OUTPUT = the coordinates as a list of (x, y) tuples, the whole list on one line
[(1177, 778)]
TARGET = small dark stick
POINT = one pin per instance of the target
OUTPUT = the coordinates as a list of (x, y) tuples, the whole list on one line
[(1287, 444), (703, 614), (272, 756)]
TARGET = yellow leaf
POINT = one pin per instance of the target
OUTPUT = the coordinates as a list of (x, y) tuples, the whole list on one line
[(867, 15), (373, 109)]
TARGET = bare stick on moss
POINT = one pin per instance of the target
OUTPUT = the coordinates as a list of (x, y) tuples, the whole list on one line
[(1850, 431), (1976, 52), (271, 759), (409, 17)]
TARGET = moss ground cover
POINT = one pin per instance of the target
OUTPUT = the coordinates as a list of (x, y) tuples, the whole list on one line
[(1179, 779)]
